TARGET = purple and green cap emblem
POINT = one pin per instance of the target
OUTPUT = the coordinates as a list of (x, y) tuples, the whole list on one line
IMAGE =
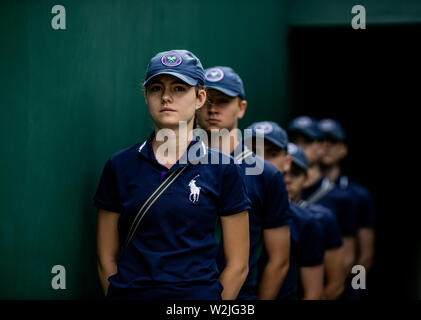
[(214, 74), (171, 59), (270, 131), (181, 64), (265, 126)]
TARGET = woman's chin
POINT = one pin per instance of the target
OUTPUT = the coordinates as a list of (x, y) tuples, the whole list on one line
[(169, 123)]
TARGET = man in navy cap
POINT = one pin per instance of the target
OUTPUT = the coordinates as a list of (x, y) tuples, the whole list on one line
[(336, 151), (307, 252), (269, 216), (295, 179), (304, 131)]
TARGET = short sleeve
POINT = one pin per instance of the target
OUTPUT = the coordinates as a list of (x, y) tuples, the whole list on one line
[(344, 210), (106, 196), (331, 231), (366, 214), (233, 197), (310, 249), (349, 214), (276, 211)]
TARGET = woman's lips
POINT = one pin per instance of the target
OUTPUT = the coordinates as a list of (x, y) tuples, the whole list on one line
[(167, 110), (213, 121)]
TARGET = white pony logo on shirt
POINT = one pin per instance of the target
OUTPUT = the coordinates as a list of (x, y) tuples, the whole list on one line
[(194, 190)]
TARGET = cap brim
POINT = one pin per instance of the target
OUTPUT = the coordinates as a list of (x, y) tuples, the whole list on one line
[(190, 81), (299, 163), (225, 91), (269, 138), (334, 136), (307, 132)]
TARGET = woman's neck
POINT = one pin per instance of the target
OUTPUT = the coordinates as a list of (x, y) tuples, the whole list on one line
[(296, 198), (332, 172), (170, 144), (226, 143), (314, 174)]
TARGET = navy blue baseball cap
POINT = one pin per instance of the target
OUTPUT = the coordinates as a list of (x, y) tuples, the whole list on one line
[(270, 131), (307, 126), (332, 128), (179, 63), (298, 156), (226, 80)]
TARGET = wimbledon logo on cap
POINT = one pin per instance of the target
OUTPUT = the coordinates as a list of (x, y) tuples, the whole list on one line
[(171, 59), (214, 74), (327, 124), (303, 122), (265, 126), (292, 148)]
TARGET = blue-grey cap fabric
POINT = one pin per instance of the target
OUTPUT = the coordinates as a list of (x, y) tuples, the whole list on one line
[(307, 126), (226, 80), (179, 63), (297, 155), (270, 131), (332, 128)]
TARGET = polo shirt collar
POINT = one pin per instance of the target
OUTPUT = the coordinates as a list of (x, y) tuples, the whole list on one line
[(146, 151), (311, 189)]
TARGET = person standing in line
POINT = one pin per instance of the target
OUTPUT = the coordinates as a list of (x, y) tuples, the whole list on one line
[(307, 239), (269, 214), (336, 151), (304, 132), (157, 210)]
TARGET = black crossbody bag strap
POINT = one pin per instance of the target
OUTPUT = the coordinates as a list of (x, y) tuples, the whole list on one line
[(318, 194), (150, 201)]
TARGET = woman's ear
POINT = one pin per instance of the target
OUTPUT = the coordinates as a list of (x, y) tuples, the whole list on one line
[(201, 98), (287, 164), (344, 150), (243, 107)]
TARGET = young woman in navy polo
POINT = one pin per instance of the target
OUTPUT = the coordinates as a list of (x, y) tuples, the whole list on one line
[(172, 253)]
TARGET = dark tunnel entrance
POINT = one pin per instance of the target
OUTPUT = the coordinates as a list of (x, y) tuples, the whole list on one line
[(369, 81)]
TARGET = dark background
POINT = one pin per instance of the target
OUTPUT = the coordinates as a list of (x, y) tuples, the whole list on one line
[(370, 82)]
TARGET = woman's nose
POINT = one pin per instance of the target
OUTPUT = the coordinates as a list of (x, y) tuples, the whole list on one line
[(166, 96)]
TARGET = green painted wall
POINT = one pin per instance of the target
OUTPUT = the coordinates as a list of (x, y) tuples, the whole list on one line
[(338, 12), (70, 98)]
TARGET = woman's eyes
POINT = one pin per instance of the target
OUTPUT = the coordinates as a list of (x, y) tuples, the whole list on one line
[(179, 88), (154, 88), (159, 88)]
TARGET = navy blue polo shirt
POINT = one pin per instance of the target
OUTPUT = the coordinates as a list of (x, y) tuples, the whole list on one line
[(307, 248), (173, 253), (341, 203), (332, 238), (365, 212), (269, 209)]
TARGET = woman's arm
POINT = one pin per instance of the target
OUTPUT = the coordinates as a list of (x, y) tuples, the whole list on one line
[(236, 242), (277, 244), (108, 246), (335, 277), (366, 247), (349, 254), (312, 282)]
